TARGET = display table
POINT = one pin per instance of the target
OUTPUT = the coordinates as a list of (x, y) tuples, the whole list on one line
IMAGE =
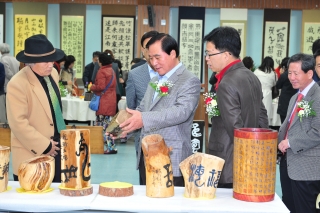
[(139, 202), (74, 108)]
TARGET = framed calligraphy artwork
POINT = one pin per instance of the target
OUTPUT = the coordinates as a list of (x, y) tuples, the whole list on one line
[(118, 36), (26, 26), (311, 33), (240, 26), (72, 37), (190, 45), (1, 28), (275, 41)]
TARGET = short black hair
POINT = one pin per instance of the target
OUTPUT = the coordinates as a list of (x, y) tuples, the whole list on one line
[(284, 63), (96, 54), (267, 65), (316, 46), (136, 60), (225, 39), (149, 34), (316, 54), (105, 59), (168, 43), (307, 61), (248, 62), (69, 60), (118, 62)]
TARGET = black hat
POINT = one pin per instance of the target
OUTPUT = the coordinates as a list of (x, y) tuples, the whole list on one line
[(38, 48)]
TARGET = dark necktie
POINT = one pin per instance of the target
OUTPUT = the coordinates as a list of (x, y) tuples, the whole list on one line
[(295, 112), (56, 106)]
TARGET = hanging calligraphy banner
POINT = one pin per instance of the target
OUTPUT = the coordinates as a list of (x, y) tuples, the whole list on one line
[(311, 33), (72, 34), (190, 45), (118, 36), (1, 28), (241, 28), (275, 40), (26, 26)]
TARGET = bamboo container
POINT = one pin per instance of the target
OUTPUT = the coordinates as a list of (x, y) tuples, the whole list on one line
[(4, 167)]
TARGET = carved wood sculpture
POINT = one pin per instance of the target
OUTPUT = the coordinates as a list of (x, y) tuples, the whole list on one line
[(116, 189), (113, 128), (4, 167), (254, 164), (36, 174), (159, 176), (75, 162), (201, 173)]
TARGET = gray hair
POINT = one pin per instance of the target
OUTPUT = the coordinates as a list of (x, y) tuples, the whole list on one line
[(4, 48), (30, 64)]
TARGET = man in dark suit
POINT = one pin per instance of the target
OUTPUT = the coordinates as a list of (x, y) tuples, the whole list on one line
[(88, 70), (239, 97), (316, 56), (299, 136)]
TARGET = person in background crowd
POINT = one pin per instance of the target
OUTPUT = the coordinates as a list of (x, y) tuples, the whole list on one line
[(59, 64), (248, 62), (34, 107), (170, 116), (67, 73), (141, 62), (88, 70), (239, 97), (135, 61), (137, 84), (298, 139), (278, 71), (107, 105), (317, 60), (315, 48), (287, 91), (121, 81), (268, 79), (10, 63), (3, 115)]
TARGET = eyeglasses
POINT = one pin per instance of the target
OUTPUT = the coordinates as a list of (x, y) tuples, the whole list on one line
[(206, 54)]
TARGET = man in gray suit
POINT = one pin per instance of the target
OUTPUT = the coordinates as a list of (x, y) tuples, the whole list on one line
[(137, 83), (299, 137), (171, 116), (239, 97)]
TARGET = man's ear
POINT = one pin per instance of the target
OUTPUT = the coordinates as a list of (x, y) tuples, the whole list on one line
[(173, 54)]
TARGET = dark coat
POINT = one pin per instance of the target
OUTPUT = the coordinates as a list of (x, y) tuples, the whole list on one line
[(239, 98), (108, 101), (2, 78), (87, 74), (287, 91)]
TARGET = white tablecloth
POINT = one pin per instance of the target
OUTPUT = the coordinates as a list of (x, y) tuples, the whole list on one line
[(139, 202), (74, 108)]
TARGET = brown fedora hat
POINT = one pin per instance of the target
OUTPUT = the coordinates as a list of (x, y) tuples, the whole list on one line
[(38, 48)]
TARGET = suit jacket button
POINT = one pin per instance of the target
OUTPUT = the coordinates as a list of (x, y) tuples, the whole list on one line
[(51, 124)]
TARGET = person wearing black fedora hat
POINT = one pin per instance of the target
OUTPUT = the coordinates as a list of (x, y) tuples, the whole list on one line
[(34, 105)]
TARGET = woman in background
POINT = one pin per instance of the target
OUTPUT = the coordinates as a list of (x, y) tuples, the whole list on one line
[(108, 102), (267, 77), (67, 73)]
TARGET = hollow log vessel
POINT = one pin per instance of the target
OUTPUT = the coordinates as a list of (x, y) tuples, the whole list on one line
[(116, 189), (4, 167)]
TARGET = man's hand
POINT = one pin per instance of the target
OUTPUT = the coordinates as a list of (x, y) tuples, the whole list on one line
[(283, 146), (53, 152), (133, 123)]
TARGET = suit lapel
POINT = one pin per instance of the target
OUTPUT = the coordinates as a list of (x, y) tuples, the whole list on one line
[(173, 79), (307, 98), (39, 92)]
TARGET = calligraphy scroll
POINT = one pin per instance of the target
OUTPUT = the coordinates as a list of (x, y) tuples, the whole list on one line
[(72, 33), (1, 28), (190, 45), (118, 36), (275, 41), (311, 33), (240, 27), (26, 26)]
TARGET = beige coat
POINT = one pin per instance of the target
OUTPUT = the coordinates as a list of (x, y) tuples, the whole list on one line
[(29, 116)]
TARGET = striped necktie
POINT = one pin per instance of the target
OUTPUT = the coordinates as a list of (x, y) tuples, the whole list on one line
[(56, 105)]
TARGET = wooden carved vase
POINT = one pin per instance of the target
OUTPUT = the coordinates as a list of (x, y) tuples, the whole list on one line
[(201, 173), (36, 174), (4, 167), (159, 176)]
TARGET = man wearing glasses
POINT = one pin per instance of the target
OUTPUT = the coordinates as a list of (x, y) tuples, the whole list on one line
[(239, 96)]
